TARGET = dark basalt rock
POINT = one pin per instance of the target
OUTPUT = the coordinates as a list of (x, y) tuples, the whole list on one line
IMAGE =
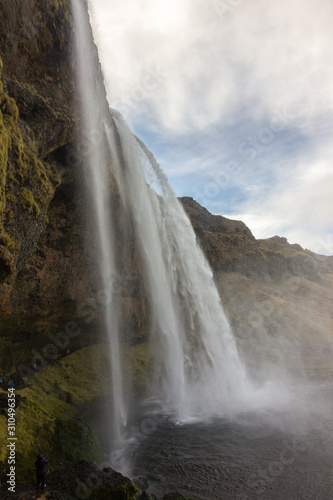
[(85, 479), (174, 496)]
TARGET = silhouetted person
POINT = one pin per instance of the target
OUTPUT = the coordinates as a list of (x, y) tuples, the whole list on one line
[(41, 464)]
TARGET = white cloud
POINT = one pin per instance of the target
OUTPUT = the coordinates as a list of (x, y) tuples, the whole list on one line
[(272, 54), (300, 209), (182, 71)]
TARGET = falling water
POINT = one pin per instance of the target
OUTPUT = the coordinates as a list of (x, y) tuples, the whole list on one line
[(197, 371), (93, 109)]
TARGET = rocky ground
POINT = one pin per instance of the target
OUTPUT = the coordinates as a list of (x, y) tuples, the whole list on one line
[(84, 480)]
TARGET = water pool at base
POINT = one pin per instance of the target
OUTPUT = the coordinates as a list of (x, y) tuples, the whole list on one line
[(286, 455)]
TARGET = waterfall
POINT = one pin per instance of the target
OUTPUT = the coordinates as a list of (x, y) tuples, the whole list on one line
[(96, 159), (197, 371)]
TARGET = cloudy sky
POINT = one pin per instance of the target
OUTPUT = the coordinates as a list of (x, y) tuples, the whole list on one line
[(235, 99)]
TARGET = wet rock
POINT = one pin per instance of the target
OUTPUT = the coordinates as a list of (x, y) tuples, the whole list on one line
[(144, 496), (84, 480), (141, 482), (174, 496)]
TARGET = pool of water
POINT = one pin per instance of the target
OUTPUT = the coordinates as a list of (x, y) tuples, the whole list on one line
[(271, 454)]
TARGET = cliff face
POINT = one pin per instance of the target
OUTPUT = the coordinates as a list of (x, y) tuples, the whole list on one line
[(36, 120), (230, 246), (48, 264), (35, 47), (278, 297), (39, 205)]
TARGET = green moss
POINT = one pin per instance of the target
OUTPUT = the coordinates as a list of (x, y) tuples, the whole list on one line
[(125, 492), (35, 430), (76, 441), (8, 107), (3, 437), (62, 4), (52, 405), (35, 175), (47, 418), (26, 183), (82, 375), (6, 241), (4, 144), (7, 104), (137, 360), (9, 215), (28, 202)]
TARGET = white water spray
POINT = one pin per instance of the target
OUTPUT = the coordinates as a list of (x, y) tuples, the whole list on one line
[(197, 371)]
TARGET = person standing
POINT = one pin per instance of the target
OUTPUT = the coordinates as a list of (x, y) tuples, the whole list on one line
[(41, 464)]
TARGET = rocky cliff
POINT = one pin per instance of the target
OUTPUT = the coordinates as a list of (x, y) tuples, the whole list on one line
[(36, 95), (37, 124), (278, 296)]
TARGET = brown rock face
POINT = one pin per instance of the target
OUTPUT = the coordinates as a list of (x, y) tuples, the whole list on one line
[(36, 185), (278, 297), (35, 47), (36, 119), (231, 247)]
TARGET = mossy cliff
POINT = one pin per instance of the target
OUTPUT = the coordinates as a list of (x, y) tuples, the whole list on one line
[(26, 189), (36, 119), (48, 263), (38, 211), (58, 392)]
